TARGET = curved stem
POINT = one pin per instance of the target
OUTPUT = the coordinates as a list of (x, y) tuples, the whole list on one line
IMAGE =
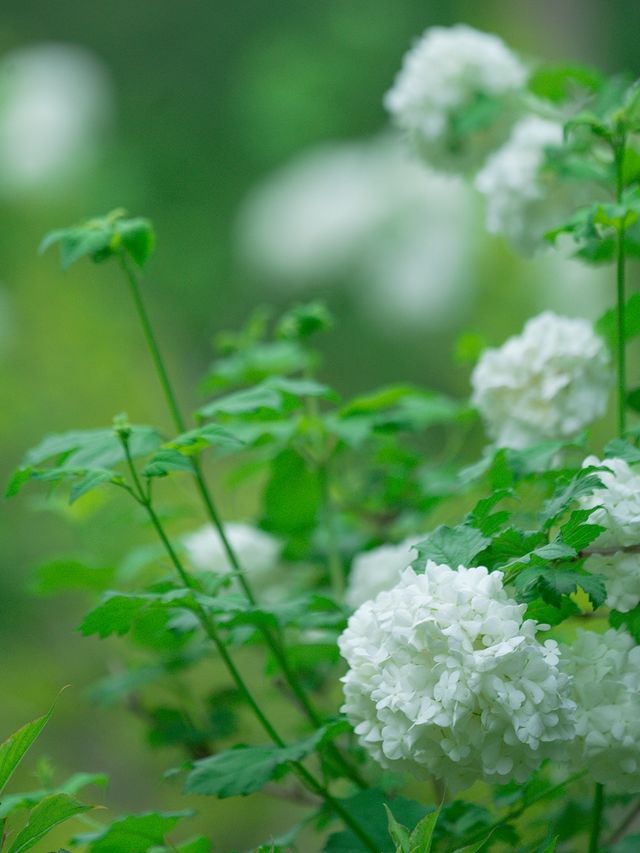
[(211, 631), (274, 643), (596, 818)]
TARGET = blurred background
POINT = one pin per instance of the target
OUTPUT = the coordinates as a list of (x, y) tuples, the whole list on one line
[(253, 135)]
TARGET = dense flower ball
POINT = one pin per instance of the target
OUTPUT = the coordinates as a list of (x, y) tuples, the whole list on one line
[(378, 569), (524, 200), (544, 384), (618, 502), (257, 552), (454, 94), (605, 683), (446, 679)]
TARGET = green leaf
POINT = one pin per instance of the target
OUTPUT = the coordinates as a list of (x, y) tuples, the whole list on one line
[(133, 833), (245, 769), (276, 394), (399, 834), (630, 621), (607, 325), (621, 449), (292, 500), (303, 321), (196, 440), (577, 532), (14, 748), (50, 812), (61, 575), (102, 238), (559, 83), (474, 848), (584, 483), (368, 808), (453, 546), (118, 612), (404, 407), (422, 836), (72, 786), (554, 583)]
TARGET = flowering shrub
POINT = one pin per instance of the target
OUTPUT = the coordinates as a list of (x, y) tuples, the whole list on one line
[(461, 650)]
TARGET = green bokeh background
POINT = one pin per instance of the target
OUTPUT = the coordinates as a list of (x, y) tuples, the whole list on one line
[(210, 96)]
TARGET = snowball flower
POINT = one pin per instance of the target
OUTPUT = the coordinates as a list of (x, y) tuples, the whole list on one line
[(605, 683), (544, 384), (365, 213), (622, 573), (448, 76), (257, 552), (446, 679), (523, 200), (618, 502), (378, 569), (57, 101)]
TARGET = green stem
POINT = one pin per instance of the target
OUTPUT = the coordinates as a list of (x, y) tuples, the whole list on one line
[(336, 569), (621, 371), (211, 631), (272, 641), (596, 818)]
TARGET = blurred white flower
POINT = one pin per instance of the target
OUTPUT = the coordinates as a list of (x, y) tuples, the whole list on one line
[(56, 102), (524, 200), (618, 502), (446, 679), (378, 569), (622, 573), (605, 683), (454, 95), (545, 384), (258, 553), (364, 212)]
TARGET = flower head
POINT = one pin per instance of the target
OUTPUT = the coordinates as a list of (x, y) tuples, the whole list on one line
[(523, 199), (257, 552), (378, 569), (545, 384), (605, 683), (618, 503), (446, 679), (454, 94)]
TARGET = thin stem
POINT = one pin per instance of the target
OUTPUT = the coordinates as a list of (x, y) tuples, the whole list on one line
[(620, 831), (596, 818), (212, 632), (621, 370), (272, 641), (336, 569)]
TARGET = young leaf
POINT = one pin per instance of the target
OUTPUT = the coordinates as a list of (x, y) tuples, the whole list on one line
[(102, 238), (422, 836), (49, 812), (72, 786), (399, 834), (14, 748)]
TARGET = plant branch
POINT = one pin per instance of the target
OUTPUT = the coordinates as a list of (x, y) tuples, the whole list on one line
[(274, 643), (596, 818)]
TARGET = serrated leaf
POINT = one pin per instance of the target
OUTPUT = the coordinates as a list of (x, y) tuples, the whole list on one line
[(245, 769), (13, 749), (578, 532), (276, 394), (621, 449), (48, 813), (118, 612), (584, 483), (133, 833), (552, 584), (453, 546)]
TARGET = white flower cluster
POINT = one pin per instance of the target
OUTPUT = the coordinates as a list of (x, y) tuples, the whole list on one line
[(618, 511), (524, 200), (544, 384), (605, 683), (378, 569), (258, 552), (365, 213), (448, 72), (446, 679)]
